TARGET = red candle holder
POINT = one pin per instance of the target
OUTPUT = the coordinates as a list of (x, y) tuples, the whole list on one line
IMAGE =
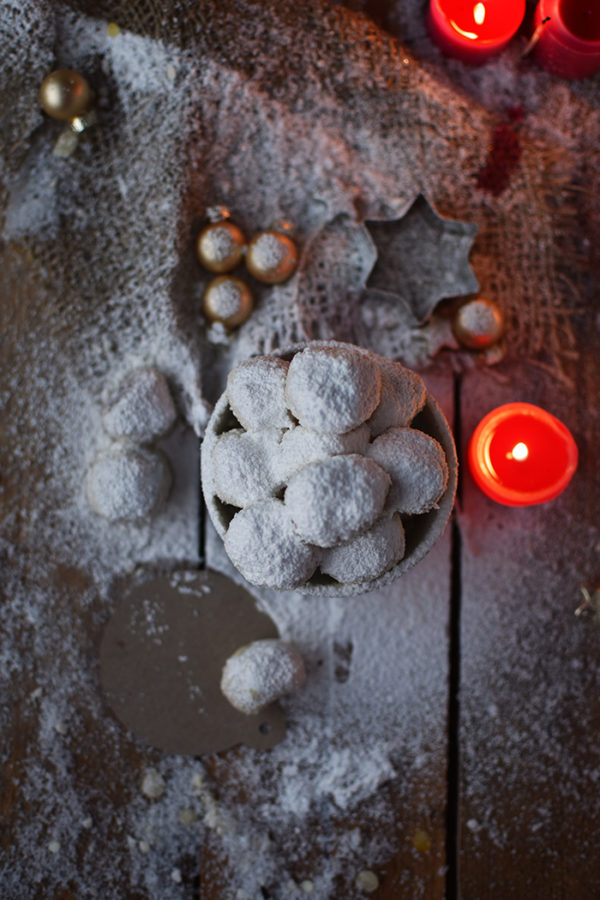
[(567, 37), (473, 31), (521, 455)]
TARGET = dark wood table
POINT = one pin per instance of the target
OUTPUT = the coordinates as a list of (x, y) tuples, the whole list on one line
[(505, 802)]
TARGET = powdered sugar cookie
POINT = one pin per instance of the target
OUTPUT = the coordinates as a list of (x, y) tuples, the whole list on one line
[(403, 394), (126, 485), (300, 446), (260, 673), (242, 466), (333, 388), (141, 409), (255, 390), (417, 465), (262, 543), (368, 555), (333, 499)]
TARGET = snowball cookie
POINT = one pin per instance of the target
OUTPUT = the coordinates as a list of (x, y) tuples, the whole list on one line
[(403, 394), (260, 673), (332, 389), (242, 469), (300, 446), (126, 484), (417, 465), (368, 555), (262, 543), (141, 409), (333, 499), (255, 390)]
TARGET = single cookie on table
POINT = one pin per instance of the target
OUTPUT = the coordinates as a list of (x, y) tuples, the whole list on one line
[(300, 446), (255, 390), (417, 466), (243, 467), (332, 389), (260, 673), (333, 499), (403, 395), (368, 555), (263, 544), (126, 484), (141, 409)]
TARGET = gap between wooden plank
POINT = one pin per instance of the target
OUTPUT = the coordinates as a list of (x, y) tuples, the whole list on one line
[(453, 780)]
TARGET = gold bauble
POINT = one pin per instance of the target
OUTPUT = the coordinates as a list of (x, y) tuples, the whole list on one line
[(227, 300), (478, 324), (271, 257), (65, 95), (220, 246)]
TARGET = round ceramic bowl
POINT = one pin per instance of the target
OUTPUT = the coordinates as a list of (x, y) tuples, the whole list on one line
[(421, 531)]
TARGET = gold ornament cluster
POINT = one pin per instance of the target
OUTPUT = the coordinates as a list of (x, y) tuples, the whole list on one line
[(270, 257)]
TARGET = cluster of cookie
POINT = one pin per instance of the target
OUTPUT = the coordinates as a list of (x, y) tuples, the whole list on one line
[(129, 481), (320, 468)]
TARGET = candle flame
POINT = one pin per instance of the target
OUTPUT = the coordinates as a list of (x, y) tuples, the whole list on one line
[(519, 452), (479, 13)]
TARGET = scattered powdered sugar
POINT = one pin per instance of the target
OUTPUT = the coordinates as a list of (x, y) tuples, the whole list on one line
[(260, 673)]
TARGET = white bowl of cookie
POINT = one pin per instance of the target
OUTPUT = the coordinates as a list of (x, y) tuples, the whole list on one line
[(327, 469)]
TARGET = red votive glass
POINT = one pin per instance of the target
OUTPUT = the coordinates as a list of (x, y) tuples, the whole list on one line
[(473, 31), (568, 44), (521, 455)]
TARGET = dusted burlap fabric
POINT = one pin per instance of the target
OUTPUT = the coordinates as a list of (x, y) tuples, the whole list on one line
[(297, 111)]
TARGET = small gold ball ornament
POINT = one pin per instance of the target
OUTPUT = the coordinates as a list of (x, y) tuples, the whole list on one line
[(220, 246), (65, 95), (478, 324), (227, 300), (271, 257)]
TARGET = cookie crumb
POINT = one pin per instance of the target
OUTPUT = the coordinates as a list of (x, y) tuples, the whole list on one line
[(153, 784), (367, 881)]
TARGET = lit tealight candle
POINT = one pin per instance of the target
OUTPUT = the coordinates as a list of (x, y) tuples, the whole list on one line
[(473, 31), (567, 37), (520, 455)]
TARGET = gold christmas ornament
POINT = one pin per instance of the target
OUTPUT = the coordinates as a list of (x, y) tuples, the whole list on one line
[(65, 95), (227, 300), (478, 324), (271, 257), (220, 246)]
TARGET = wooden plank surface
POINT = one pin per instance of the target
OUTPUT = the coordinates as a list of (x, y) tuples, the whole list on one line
[(530, 674), (76, 821)]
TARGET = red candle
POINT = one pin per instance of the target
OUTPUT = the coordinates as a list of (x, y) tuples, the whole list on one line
[(520, 455), (473, 31), (568, 43)]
